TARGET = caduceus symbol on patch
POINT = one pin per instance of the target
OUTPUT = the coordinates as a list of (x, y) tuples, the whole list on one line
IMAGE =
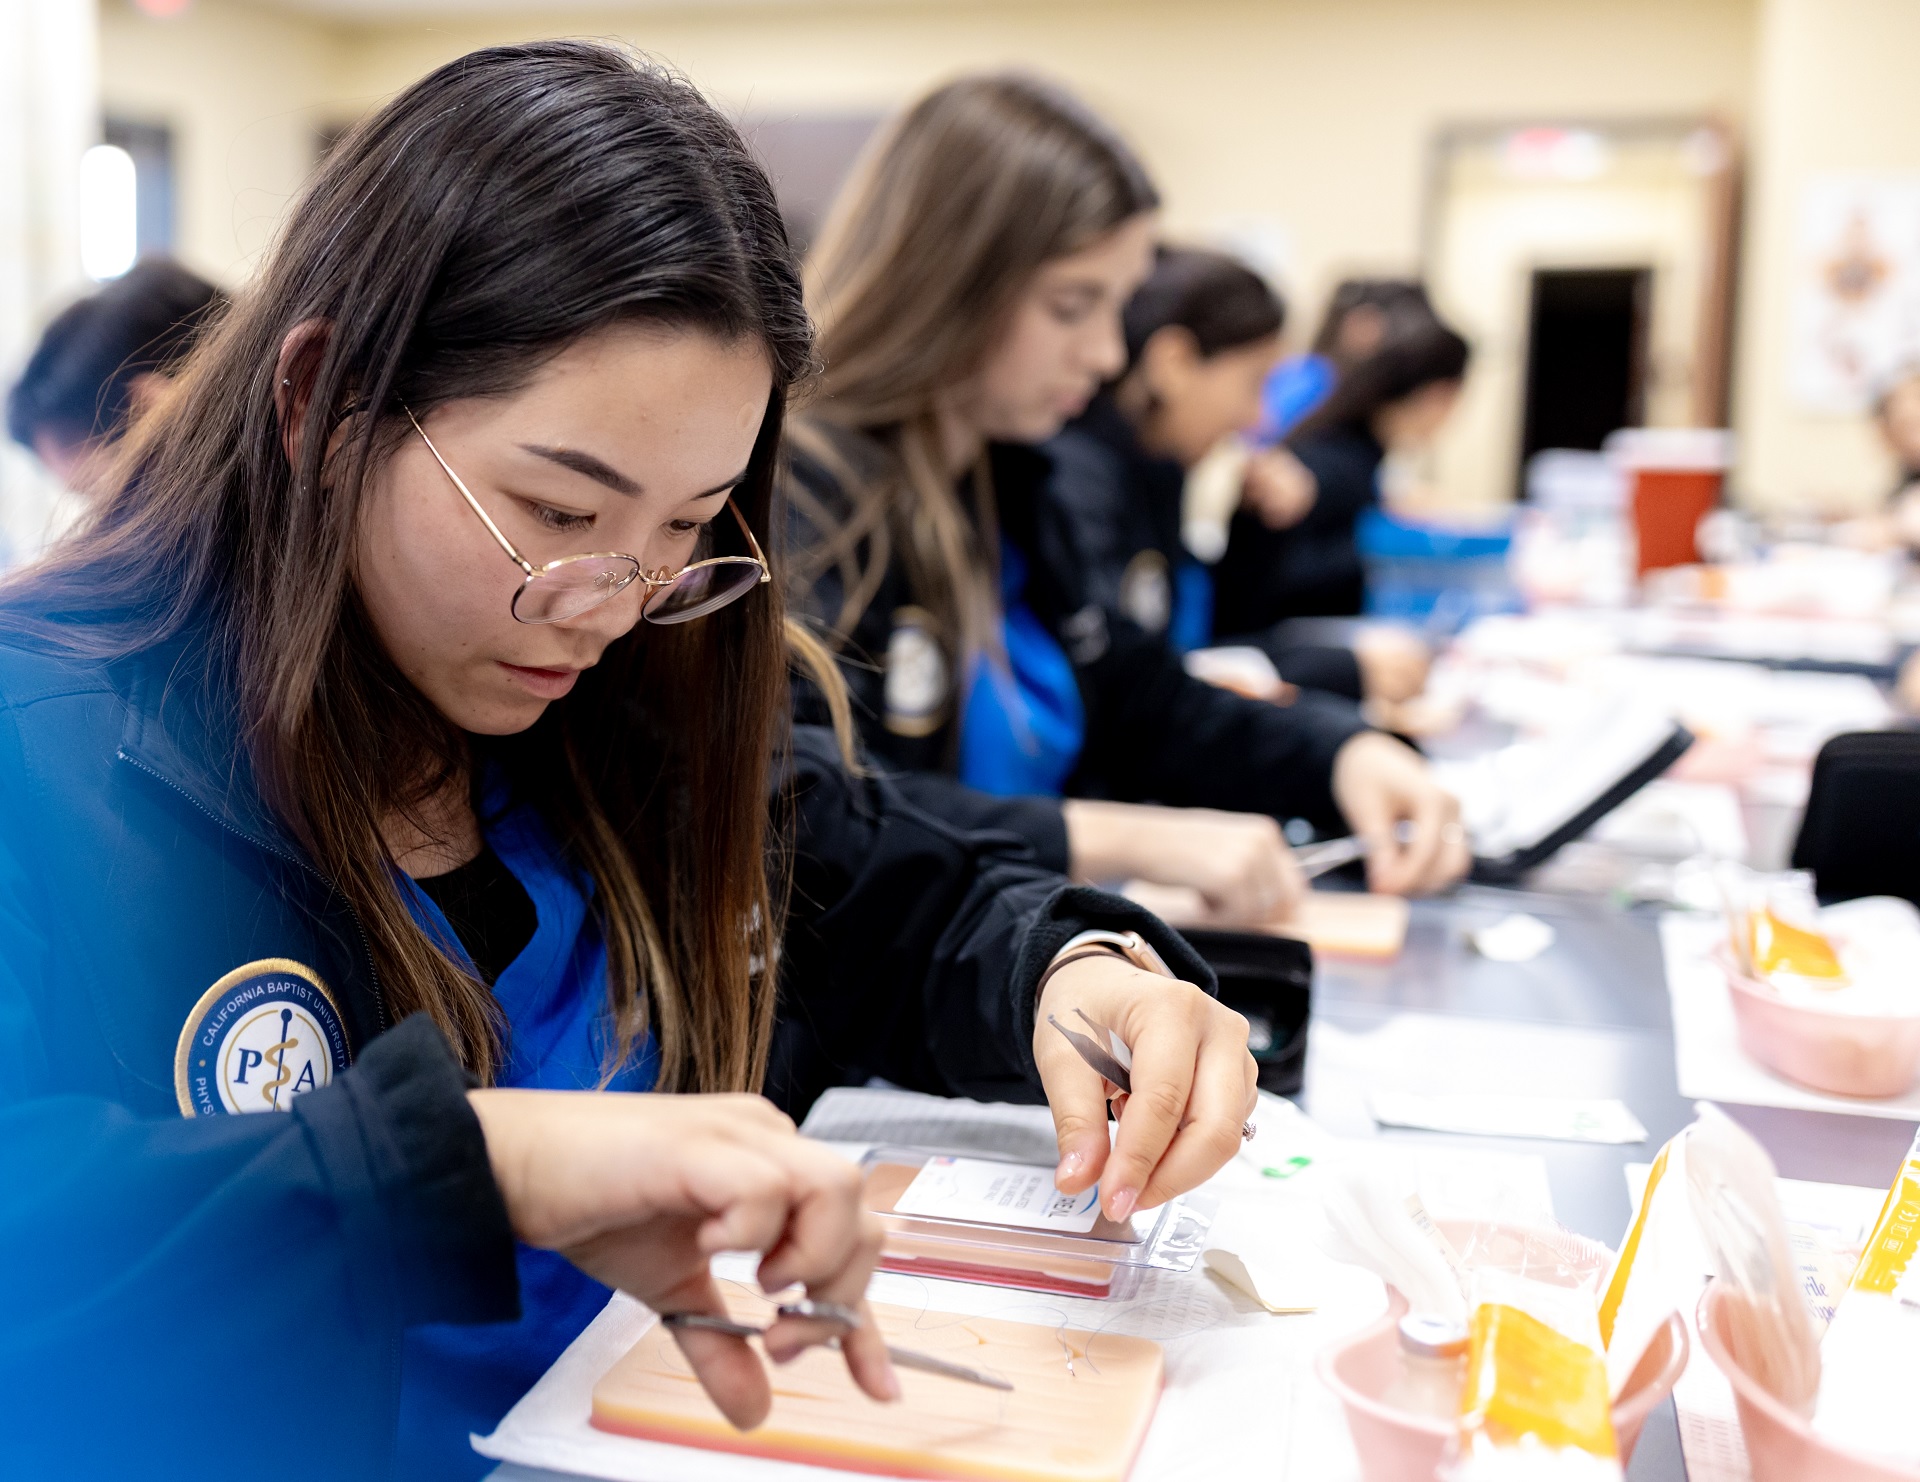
[(277, 1058)]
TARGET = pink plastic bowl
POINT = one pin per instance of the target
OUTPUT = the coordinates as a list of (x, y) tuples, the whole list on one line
[(1396, 1446), (1780, 1445), (1844, 1054)]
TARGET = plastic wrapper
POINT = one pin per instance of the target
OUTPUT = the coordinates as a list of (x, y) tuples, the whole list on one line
[(1857, 957), (999, 1223), (1659, 1259), (1871, 1352), (1730, 1182), (1376, 1221), (1536, 1401)]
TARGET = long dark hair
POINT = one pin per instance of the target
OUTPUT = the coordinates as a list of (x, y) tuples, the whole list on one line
[(1392, 373), (1213, 296), (491, 214)]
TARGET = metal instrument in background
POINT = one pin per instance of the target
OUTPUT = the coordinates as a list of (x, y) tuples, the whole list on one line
[(1318, 859), (846, 1317)]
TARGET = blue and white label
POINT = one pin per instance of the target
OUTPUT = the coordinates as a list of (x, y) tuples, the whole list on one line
[(265, 1033)]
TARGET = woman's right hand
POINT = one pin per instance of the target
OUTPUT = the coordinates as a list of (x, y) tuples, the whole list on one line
[(640, 1192), (1238, 862), (1279, 488)]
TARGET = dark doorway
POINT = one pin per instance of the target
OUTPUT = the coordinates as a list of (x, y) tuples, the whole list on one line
[(1586, 356)]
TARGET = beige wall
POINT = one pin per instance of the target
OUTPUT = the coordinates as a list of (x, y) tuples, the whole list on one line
[(243, 88), (1299, 127), (1303, 122), (1837, 94)]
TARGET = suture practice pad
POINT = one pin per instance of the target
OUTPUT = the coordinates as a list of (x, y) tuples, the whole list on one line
[(1078, 1412)]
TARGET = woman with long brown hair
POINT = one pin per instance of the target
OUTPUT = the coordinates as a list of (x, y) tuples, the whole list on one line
[(968, 287), (393, 748)]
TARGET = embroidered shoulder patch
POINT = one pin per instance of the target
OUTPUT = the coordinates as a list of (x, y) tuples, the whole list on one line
[(265, 1033), (917, 681), (1146, 591)]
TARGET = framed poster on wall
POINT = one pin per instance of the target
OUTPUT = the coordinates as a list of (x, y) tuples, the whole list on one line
[(1856, 310)]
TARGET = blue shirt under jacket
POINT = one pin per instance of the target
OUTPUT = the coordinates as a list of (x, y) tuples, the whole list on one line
[(458, 1379), (1023, 725)]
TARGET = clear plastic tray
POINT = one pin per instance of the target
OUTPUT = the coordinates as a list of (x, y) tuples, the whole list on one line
[(1108, 1261)]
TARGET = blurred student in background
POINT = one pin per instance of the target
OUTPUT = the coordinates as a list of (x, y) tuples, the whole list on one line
[(1395, 400), (968, 288), (1362, 315), (1202, 333), (104, 360)]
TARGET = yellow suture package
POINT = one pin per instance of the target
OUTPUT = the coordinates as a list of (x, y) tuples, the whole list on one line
[(1535, 1404), (1870, 1357), (1803, 952)]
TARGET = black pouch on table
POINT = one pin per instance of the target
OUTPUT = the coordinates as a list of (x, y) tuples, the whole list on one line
[(1270, 980)]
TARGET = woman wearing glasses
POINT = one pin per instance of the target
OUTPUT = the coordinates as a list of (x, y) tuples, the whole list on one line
[(393, 749)]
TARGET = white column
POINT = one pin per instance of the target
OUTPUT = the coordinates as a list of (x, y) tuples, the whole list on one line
[(49, 115)]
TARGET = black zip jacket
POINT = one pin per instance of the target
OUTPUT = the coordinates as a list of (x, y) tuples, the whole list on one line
[(1116, 508), (1154, 734), (1311, 569)]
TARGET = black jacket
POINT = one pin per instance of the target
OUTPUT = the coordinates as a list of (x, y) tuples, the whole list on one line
[(1154, 733), (180, 1290), (1311, 569), (1116, 508)]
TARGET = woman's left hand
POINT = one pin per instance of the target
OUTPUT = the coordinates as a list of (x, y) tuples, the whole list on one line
[(1193, 1083)]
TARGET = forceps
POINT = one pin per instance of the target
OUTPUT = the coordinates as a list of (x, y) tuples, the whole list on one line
[(846, 1317), (1316, 860), (1110, 1056)]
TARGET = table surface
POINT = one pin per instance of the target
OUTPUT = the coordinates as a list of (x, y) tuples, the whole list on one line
[(1602, 974)]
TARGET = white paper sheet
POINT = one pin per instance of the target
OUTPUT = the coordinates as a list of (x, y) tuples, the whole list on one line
[(1559, 1118), (1706, 1047), (1241, 1399), (1440, 1055)]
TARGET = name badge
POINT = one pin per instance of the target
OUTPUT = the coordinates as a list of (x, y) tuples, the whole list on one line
[(265, 1033)]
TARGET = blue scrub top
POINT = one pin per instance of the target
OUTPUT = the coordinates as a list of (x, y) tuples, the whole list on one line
[(1191, 625), (1022, 726), (461, 1379)]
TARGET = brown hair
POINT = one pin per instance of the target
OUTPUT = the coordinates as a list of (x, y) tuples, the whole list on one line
[(950, 214), (488, 216)]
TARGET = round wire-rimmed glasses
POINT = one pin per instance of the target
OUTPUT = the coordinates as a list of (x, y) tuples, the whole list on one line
[(574, 585)]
